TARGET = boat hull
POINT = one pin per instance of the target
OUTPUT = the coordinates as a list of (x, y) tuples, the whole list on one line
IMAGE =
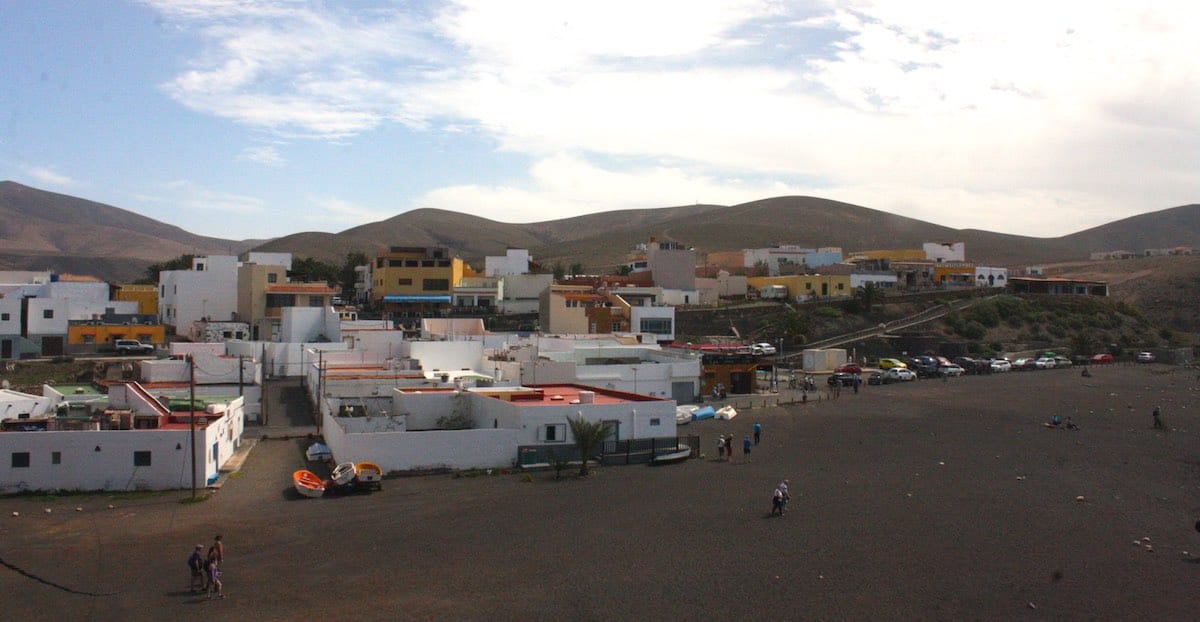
[(308, 484)]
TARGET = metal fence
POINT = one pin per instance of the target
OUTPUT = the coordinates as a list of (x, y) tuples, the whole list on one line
[(633, 451)]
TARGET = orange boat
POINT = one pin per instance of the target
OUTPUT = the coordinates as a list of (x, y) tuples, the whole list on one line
[(308, 484), (368, 472)]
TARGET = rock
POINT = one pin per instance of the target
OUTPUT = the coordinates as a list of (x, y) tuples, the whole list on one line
[(110, 506), (1032, 606), (940, 463), (1020, 477), (1145, 538), (78, 509), (16, 513), (1149, 549), (48, 510), (1080, 498)]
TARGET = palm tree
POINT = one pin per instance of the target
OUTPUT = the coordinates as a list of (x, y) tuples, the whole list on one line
[(868, 294), (588, 434)]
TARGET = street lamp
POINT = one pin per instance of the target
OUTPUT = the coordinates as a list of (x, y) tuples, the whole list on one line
[(635, 387)]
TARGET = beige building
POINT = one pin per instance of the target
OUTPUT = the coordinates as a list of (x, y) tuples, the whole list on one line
[(264, 290)]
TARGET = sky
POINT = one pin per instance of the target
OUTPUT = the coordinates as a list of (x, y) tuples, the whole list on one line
[(260, 119)]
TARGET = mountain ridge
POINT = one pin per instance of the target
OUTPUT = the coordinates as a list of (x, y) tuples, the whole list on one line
[(36, 226)]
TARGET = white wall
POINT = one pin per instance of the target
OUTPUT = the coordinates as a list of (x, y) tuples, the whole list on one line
[(405, 451), (209, 370), (306, 324), (991, 277), (514, 261), (269, 259), (939, 251), (86, 309), (17, 405), (186, 296), (38, 324), (882, 280), (446, 355), (10, 306), (78, 291), (112, 468)]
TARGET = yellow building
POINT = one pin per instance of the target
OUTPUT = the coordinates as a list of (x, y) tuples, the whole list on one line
[(806, 286), (897, 254), (416, 277), (954, 273), (264, 290), (95, 335), (146, 296)]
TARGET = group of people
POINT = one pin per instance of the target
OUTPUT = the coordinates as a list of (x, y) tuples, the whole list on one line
[(780, 498), (719, 392), (725, 444), (206, 569)]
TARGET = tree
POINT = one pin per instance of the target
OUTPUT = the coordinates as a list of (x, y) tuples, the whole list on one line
[(867, 295), (588, 434), (182, 262), (576, 269), (559, 271), (347, 277), (624, 270)]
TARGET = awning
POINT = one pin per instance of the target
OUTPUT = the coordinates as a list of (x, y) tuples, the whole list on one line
[(418, 298)]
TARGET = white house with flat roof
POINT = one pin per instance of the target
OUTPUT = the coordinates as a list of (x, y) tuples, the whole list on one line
[(413, 435), (134, 443)]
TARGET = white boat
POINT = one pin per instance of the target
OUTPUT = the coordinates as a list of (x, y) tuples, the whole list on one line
[(681, 453), (318, 452), (343, 474), (683, 414), (726, 413)]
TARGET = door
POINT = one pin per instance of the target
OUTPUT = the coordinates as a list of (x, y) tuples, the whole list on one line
[(52, 346), (614, 430), (6, 349), (682, 392)]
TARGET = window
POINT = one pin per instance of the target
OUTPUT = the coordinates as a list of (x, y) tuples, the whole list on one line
[(89, 339), (20, 460), (658, 326), (654, 421), (411, 263), (427, 263), (436, 285), (48, 314), (56, 457), (4, 317), (554, 433), (272, 277), (141, 458), (403, 281), (199, 266), (808, 286), (841, 286)]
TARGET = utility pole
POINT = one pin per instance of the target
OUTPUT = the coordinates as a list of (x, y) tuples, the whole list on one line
[(192, 412)]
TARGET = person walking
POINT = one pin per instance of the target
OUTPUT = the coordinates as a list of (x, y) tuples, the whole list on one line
[(857, 381), (721, 448), (757, 432), (746, 447), (195, 562), (782, 489), (729, 448), (777, 503), (1157, 414), (213, 566)]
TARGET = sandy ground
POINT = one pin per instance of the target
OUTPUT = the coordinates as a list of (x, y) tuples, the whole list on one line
[(925, 501)]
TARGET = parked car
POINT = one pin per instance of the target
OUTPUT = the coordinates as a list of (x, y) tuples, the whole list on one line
[(1145, 357), (899, 374), (890, 363), (951, 370), (925, 371), (1062, 361), (1103, 359), (132, 346), (1023, 365), (875, 378), (842, 378), (972, 366), (850, 368), (1043, 362), (763, 349), (1000, 365)]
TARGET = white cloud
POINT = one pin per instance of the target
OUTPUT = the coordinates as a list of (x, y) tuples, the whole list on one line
[(1027, 117), (267, 156), (48, 176)]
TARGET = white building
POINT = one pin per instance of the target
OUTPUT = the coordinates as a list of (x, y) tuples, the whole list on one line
[(885, 280), (136, 444), (208, 290), (520, 293), (945, 251), (991, 277), (515, 261), (413, 436)]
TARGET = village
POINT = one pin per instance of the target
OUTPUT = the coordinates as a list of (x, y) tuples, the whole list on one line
[(425, 386)]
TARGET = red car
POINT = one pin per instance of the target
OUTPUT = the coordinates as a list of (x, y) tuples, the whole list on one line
[(849, 368), (1103, 359)]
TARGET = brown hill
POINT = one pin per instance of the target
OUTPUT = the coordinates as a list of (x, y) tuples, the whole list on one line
[(42, 230), (601, 241), (1168, 228)]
